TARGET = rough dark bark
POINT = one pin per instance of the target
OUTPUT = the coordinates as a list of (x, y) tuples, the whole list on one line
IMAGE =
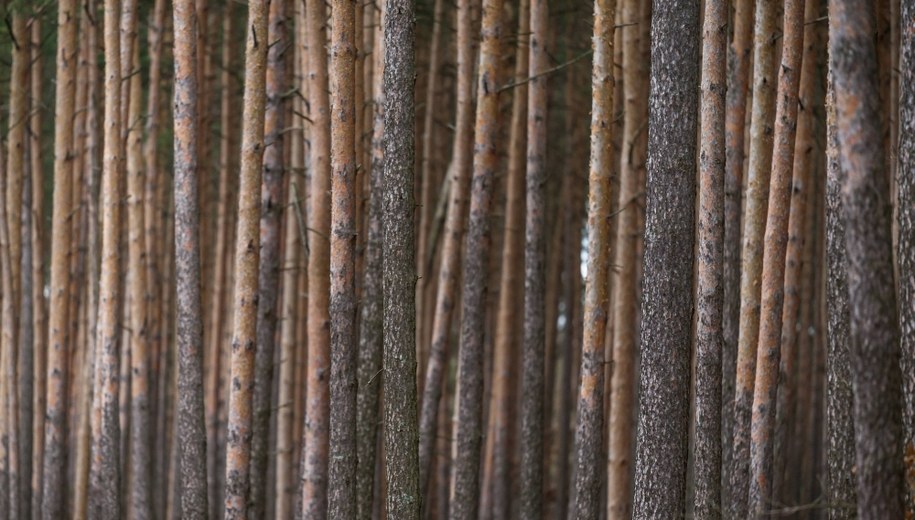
[(191, 430), (765, 59), (247, 257), (905, 186), (371, 326), (400, 409), (839, 424), (465, 488), (660, 482), (532, 352), (874, 339), (269, 266), (709, 289), (739, 61), (587, 460), (55, 444)]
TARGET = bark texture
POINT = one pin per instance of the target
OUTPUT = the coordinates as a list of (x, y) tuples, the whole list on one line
[(400, 411), (247, 254), (661, 451), (874, 334)]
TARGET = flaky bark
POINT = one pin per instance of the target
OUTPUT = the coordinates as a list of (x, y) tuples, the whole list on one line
[(709, 288), (342, 464), (874, 341), (773, 270), (247, 254), (451, 247), (589, 429), (840, 488), (55, 444), (794, 255), (739, 61), (532, 349), (400, 411), (905, 185), (191, 431), (660, 482), (105, 465), (371, 327), (269, 266), (465, 489), (761, 121)]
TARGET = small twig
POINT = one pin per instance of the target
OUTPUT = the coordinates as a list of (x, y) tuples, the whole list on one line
[(557, 68)]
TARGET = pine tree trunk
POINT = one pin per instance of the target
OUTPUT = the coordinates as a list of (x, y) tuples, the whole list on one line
[(874, 346), (55, 444), (190, 432), (468, 427), (269, 267), (661, 451), (761, 125)]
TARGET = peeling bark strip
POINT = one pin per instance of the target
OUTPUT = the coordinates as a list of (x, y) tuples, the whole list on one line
[(451, 248), (465, 488), (589, 430), (191, 431), (874, 346), (735, 122), (905, 184), (840, 452), (269, 266), (105, 466), (764, 62), (371, 325), (401, 435), (238, 441), (342, 464), (55, 444), (532, 354), (660, 485), (709, 288)]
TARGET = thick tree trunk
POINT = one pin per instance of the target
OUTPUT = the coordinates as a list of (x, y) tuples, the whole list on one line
[(55, 444), (269, 267), (400, 414), (589, 430), (191, 431), (247, 255), (660, 485), (874, 341), (467, 434)]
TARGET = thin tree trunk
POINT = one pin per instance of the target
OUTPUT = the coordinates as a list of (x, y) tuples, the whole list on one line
[(465, 489), (794, 256), (105, 466), (874, 346), (8, 339), (269, 267), (191, 463), (316, 429), (247, 253), (55, 445), (709, 289), (739, 66), (371, 327), (764, 70), (661, 451), (905, 185), (840, 431), (451, 247), (773, 271), (401, 435)]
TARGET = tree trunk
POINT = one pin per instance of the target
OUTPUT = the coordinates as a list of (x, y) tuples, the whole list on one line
[(465, 487), (874, 346), (661, 451), (761, 121), (55, 445)]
